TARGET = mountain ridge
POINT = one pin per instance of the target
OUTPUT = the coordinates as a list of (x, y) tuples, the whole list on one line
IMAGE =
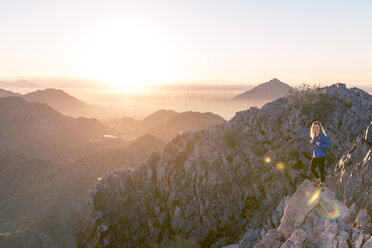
[(38, 129), (56, 98), (188, 188)]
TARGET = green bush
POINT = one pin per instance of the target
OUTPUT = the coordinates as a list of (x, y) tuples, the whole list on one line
[(259, 149), (230, 158), (312, 102), (348, 104), (294, 153), (331, 157), (230, 138), (178, 242)]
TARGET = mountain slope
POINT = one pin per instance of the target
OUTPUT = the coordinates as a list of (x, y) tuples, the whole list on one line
[(155, 118), (39, 201), (164, 124), (57, 99), (7, 93), (143, 146), (268, 91), (184, 121), (211, 186), (37, 129)]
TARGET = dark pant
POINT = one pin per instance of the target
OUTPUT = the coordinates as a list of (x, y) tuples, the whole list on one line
[(318, 162)]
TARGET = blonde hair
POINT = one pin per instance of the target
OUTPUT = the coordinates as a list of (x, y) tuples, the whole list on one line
[(312, 131)]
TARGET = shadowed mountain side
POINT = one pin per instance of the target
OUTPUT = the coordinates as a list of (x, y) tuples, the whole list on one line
[(184, 122), (211, 186), (39, 200), (127, 127), (7, 93), (164, 124), (268, 91), (37, 129), (143, 146), (57, 99), (353, 173), (83, 149), (61, 101), (155, 118)]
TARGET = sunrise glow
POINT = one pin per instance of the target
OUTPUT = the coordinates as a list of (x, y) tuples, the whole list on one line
[(136, 44), (128, 53)]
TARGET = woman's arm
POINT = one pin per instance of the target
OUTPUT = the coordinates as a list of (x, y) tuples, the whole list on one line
[(325, 142)]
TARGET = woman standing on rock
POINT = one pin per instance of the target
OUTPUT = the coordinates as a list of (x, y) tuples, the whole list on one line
[(320, 142)]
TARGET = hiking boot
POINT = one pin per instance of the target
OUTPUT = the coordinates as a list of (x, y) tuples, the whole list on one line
[(316, 183)]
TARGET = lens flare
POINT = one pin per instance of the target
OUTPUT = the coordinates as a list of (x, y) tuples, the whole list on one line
[(335, 213), (314, 197), (280, 166), (330, 209), (267, 159)]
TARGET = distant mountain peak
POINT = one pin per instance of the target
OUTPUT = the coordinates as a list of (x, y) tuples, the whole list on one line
[(56, 98), (275, 80), (24, 83), (49, 91), (267, 91), (272, 81)]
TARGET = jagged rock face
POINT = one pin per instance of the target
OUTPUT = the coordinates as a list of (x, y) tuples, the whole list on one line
[(315, 218), (354, 172), (213, 185)]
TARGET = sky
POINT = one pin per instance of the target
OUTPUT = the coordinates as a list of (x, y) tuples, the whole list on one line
[(145, 42)]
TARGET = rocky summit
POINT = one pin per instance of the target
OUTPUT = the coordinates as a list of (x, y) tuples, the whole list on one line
[(245, 182)]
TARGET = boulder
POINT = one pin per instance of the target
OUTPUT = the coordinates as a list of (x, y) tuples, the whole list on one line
[(271, 240), (298, 207), (368, 243)]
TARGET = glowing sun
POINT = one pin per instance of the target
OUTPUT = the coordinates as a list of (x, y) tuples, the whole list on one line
[(129, 55)]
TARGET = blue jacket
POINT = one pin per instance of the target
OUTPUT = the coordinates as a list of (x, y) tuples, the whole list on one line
[(323, 143)]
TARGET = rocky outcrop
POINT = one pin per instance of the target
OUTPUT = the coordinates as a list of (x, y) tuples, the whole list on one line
[(353, 173), (314, 217), (213, 185)]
